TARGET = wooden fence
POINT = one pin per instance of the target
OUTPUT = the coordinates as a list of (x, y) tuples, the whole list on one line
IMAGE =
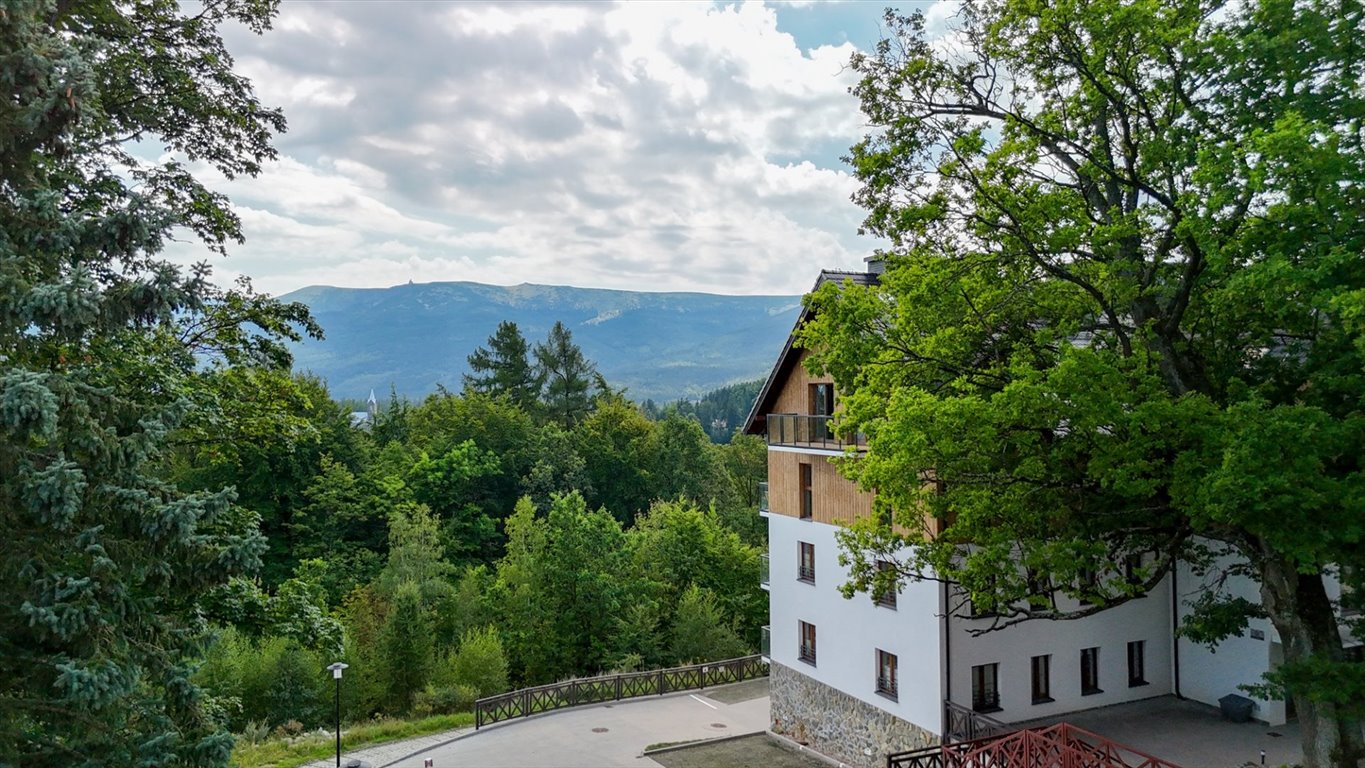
[(629, 685)]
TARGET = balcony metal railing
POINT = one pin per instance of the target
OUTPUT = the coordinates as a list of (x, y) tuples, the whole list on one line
[(765, 641), (764, 569), (763, 496), (807, 431)]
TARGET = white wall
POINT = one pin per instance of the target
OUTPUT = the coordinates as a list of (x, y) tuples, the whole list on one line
[(1208, 675), (1147, 619), (849, 632)]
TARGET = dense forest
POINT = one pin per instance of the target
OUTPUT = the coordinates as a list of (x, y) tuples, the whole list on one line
[(533, 527), (720, 412)]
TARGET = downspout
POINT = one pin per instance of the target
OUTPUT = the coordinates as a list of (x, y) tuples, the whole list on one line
[(947, 659), (1175, 626)]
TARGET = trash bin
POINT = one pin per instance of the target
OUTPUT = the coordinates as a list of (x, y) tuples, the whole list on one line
[(1236, 708)]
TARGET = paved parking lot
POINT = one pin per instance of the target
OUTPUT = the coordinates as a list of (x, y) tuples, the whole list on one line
[(606, 735), (1192, 735)]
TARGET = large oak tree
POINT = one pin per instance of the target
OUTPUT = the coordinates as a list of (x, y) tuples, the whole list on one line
[(1123, 312)]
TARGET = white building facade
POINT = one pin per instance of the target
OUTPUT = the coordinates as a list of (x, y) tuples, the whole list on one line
[(857, 679)]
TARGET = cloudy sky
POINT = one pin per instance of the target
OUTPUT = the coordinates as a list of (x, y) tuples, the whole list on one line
[(645, 145)]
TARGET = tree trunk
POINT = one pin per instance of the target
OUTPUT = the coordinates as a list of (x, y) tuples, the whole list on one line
[(1298, 607)]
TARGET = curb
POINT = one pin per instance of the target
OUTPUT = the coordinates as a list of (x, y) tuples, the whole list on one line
[(699, 743)]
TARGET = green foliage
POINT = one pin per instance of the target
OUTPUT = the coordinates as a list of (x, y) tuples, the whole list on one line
[(406, 648), (503, 370), (415, 549), (721, 412), (480, 662), (682, 462), (1120, 314), (107, 352), (699, 631), (568, 377)]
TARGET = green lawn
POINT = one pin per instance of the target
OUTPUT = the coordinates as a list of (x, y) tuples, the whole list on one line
[(285, 753)]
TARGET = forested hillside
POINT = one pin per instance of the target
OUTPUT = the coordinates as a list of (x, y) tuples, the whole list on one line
[(720, 411), (526, 530)]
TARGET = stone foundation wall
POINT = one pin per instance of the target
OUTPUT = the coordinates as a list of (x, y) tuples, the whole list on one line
[(836, 724)]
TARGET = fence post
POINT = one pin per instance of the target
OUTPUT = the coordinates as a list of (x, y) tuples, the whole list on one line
[(703, 677), (661, 682), (526, 703)]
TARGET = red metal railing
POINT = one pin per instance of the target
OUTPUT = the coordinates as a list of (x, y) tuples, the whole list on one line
[(1056, 746)]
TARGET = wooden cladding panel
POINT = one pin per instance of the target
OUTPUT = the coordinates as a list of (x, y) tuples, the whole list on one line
[(836, 499), (794, 396)]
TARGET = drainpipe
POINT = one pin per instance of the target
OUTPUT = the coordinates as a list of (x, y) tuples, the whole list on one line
[(1175, 626), (947, 650)]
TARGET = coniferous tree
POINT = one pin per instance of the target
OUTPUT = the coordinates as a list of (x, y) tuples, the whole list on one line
[(567, 374), (503, 368), (101, 563), (406, 648)]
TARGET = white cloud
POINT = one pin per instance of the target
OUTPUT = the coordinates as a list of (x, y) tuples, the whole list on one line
[(650, 146)]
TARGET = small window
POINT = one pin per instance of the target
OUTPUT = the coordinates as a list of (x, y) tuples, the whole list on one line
[(887, 600), (807, 498), (985, 688), (886, 674), (807, 650), (1042, 679), (1137, 667), (1089, 587), (822, 399), (1090, 671), (1132, 568), (805, 564)]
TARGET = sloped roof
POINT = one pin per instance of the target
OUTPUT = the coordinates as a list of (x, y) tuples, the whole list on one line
[(756, 423)]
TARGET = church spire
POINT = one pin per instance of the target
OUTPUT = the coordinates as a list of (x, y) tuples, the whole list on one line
[(372, 406)]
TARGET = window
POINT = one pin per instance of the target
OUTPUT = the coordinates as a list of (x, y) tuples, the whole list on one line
[(1349, 600), (807, 650), (822, 407), (805, 563), (1090, 671), (1132, 568), (1089, 587), (1137, 674), (822, 399), (1042, 679), (985, 688), (807, 499), (887, 600), (886, 674)]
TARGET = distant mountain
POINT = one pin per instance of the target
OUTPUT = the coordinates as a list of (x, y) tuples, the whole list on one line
[(662, 346)]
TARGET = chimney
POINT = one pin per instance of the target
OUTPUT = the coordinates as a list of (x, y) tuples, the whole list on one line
[(876, 264)]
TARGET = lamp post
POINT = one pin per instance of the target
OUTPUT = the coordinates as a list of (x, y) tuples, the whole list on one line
[(336, 675)]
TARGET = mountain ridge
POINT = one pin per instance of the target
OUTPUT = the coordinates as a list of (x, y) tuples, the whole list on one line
[(660, 345)]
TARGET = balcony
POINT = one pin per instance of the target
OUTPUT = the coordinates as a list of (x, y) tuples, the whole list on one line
[(765, 641), (763, 499), (805, 431), (764, 568)]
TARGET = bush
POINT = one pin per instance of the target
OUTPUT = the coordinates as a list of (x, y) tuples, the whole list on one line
[(480, 663), (446, 700)]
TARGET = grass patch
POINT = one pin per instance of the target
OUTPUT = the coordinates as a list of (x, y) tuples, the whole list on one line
[(291, 753)]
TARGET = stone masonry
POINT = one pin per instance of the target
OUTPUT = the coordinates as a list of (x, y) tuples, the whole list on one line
[(835, 724)]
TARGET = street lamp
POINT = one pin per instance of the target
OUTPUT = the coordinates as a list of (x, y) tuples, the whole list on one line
[(336, 675)]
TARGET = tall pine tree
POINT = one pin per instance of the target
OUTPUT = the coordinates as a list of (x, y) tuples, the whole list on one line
[(503, 369), (102, 564), (567, 374)]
